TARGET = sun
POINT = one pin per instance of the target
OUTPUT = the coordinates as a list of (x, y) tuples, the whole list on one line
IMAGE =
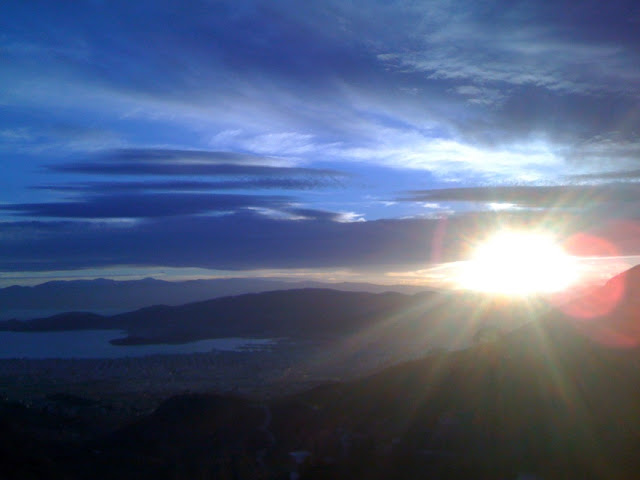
[(519, 263)]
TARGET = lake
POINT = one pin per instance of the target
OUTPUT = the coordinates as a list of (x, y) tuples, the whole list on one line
[(95, 344)]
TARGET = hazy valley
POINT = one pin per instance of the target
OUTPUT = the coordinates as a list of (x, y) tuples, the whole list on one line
[(354, 385)]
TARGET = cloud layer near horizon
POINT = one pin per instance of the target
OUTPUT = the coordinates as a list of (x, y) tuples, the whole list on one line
[(245, 241)]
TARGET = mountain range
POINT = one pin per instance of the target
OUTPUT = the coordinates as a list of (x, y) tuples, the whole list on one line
[(110, 297), (435, 319)]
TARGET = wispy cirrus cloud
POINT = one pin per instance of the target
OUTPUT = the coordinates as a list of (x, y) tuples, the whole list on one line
[(609, 175), (486, 46), (466, 73), (454, 160)]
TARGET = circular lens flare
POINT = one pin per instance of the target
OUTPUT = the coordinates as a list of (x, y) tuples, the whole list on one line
[(519, 263)]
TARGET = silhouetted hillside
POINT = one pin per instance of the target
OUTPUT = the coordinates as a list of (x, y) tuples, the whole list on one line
[(546, 398), (440, 318), (60, 322), (609, 315)]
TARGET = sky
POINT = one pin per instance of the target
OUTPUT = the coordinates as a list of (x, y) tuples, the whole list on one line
[(320, 139)]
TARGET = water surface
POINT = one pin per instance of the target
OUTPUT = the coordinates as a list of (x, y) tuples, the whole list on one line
[(95, 344)]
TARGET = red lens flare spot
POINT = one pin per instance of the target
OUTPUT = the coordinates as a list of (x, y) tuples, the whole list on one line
[(598, 302), (601, 300), (610, 314), (585, 245)]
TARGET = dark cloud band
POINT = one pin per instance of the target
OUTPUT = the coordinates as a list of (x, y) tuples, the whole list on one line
[(148, 205), (195, 186)]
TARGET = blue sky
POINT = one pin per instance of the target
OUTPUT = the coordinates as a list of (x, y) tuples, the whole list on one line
[(309, 138)]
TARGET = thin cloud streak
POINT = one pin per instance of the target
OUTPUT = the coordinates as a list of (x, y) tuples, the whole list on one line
[(145, 205), (176, 169), (559, 196), (195, 186)]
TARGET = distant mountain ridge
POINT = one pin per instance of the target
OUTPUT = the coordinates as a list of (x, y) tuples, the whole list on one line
[(111, 297), (439, 318)]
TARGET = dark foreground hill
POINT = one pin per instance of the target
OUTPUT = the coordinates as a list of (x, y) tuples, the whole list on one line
[(543, 400)]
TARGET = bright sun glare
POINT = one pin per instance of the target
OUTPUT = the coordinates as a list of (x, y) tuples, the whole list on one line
[(519, 263)]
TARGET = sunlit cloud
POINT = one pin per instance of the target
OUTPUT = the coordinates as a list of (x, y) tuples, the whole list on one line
[(445, 157)]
